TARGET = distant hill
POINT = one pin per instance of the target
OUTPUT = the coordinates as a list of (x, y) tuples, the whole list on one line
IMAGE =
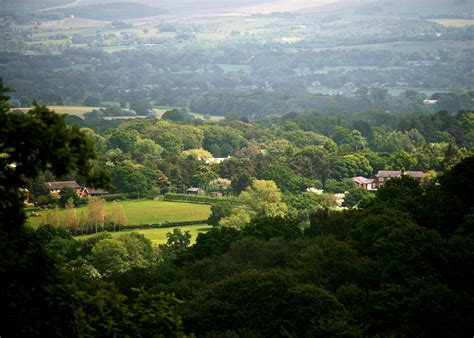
[(22, 6), (113, 11), (406, 8), (427, 7), (190, 6)]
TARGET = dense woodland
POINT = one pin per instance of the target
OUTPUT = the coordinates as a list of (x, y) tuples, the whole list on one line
[(398, 264), (149, 156)]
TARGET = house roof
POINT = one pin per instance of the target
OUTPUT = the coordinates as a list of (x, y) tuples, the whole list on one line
[(62, 185), (215, 159), (398, 173), (362, 180), (95, 191), (194, 190), (416, 174)]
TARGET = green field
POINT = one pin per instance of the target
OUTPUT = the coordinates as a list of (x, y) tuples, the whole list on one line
[(70, 110), (396, 91), (159, 112), (147, 212), (81, 110), (158, 236), (229, 67), (208, 117), (454, 22), (404, 46)]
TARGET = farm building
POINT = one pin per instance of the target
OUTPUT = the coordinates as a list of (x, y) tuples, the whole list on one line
[(86, 192), (195, 191), (56, 187), (383, 176)]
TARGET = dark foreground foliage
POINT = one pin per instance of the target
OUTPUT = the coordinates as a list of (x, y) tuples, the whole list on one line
[(40, 295), (400, 265)]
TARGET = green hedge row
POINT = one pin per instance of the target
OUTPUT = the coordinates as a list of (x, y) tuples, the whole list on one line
[(114, 197), (88, 230), (191, 198)]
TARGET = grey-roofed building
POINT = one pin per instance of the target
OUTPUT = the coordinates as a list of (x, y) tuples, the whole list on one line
[(383, 176), (195, 191), (56, 187), (364, 183)]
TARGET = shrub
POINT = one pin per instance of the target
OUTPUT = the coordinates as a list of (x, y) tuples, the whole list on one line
[(191, 198)]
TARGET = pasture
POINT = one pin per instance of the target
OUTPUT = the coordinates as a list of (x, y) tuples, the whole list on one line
[(214, 118), (158, 236), (69, 110), (454, 22), (81, 110), (229, 68), (144, 211)]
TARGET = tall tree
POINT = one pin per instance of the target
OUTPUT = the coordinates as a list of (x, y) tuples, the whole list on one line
[(262, 199)]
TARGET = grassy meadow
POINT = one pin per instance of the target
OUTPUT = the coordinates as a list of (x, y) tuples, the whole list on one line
[(146, 212), (158, 236), (70, 110), (454, 22)]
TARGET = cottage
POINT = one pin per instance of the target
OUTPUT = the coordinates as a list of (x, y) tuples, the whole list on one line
[(56, 187), (364, 183), (383, 176)]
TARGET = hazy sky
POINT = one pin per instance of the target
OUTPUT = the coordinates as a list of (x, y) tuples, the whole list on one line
[(244, 6)]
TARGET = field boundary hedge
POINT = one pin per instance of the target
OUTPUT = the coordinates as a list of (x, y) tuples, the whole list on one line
[(91, 229), (170, 197)]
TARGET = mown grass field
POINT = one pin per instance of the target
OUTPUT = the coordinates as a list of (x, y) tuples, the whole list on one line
[(147, 212), (229, 67), (70, 110), (158, 236), (208, 117), (159, 112), (81, 110), (454, 22)]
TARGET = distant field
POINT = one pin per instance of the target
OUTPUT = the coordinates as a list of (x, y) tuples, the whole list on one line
[(291, 39), (159, 112), (326, 70), (124, 117), (78, 23), (405, 46), (228, 24), (158, 236), (80, 111), (148, 212), (454, 22), (322, 90), (163, 109), (208, 117), (395, 91), (70, 110), (228, 67)]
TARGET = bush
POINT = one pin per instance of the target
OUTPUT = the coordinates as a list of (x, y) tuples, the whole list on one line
[(191, 198), (220, 210)]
